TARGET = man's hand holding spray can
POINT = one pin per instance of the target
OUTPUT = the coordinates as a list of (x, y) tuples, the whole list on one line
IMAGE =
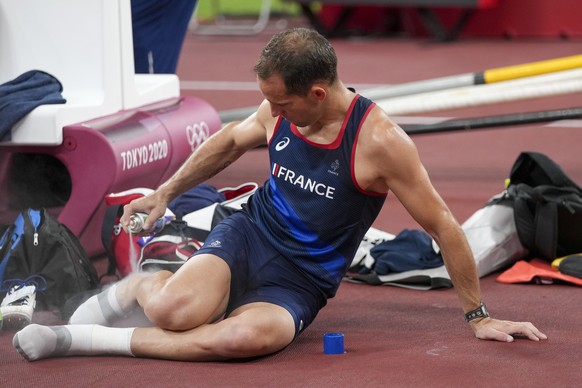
[(137, 222)]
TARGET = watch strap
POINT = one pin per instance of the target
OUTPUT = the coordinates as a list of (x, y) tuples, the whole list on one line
[(479, 312)]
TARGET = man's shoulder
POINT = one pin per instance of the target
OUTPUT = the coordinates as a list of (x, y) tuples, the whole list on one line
[(378, 124), (381, 136)]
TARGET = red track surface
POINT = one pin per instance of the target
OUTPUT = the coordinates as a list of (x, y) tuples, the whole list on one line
[(394, 337)]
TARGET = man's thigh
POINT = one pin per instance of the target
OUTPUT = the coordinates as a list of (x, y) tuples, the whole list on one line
[(197, 293)]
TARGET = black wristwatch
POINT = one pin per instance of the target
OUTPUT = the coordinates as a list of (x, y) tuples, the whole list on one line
[(479, 312)]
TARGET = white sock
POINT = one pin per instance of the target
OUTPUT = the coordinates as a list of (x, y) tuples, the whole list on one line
[(134, 318), (36, 342), (101, 309)]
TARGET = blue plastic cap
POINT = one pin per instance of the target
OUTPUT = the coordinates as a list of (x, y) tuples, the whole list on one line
[(333, 343)]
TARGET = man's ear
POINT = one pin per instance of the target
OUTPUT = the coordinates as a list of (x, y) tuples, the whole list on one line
[(318, 92)]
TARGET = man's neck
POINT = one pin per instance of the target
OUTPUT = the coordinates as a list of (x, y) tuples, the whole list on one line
[(326, 129)]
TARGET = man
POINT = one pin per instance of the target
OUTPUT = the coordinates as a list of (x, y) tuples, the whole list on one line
[(158, 30), (265, 272)]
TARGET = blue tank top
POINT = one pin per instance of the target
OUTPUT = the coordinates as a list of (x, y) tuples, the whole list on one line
[(311, 208)]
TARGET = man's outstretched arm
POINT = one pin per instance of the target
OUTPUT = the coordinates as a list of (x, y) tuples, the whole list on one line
[(403, 173)]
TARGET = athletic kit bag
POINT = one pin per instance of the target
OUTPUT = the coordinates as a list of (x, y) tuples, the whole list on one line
[(37, 245), (547, 207), (187, 222)]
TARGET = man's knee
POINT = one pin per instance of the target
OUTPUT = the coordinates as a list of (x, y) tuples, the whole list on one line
[(259, 336), (178, 308), (172, 312), (250, 341)]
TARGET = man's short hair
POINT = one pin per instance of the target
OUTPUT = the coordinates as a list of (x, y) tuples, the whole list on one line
[(301, 56)]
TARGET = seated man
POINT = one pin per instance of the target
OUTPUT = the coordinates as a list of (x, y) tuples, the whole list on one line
[(266, 271)]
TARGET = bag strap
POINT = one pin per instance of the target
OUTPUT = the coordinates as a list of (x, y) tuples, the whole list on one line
[(10, 239), (535, 169), (111, 213), (5, 249), (181, 228), (537, 228), (546, 230)]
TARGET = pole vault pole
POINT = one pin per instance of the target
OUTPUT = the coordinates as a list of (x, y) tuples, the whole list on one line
[(479, 78), (493, 121), (545, 85)]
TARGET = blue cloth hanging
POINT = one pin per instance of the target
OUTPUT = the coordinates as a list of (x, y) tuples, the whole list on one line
[(24, 93)]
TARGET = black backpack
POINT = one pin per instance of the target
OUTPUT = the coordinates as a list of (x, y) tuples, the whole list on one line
[(37, 246), (547, 207)]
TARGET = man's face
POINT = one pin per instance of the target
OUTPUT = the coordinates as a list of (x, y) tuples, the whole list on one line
[(299, 110)]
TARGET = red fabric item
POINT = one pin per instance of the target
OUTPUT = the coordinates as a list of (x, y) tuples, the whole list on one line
[(537, 271), (124, 247), (125, 197)]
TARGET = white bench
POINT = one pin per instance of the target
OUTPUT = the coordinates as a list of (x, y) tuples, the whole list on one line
[(87, 45)]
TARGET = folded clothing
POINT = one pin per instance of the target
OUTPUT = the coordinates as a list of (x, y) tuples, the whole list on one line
[(24, 93), (196, 198), (409, 250)]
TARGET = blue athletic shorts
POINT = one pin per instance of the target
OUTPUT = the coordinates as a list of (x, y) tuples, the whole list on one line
[(259, 273)]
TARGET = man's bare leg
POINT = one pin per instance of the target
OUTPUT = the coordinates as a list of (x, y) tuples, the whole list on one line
[(204, 279), (253, 330), (256, 329), (195, 295)]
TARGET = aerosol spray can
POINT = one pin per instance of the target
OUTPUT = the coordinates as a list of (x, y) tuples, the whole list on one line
[(137, 221)]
